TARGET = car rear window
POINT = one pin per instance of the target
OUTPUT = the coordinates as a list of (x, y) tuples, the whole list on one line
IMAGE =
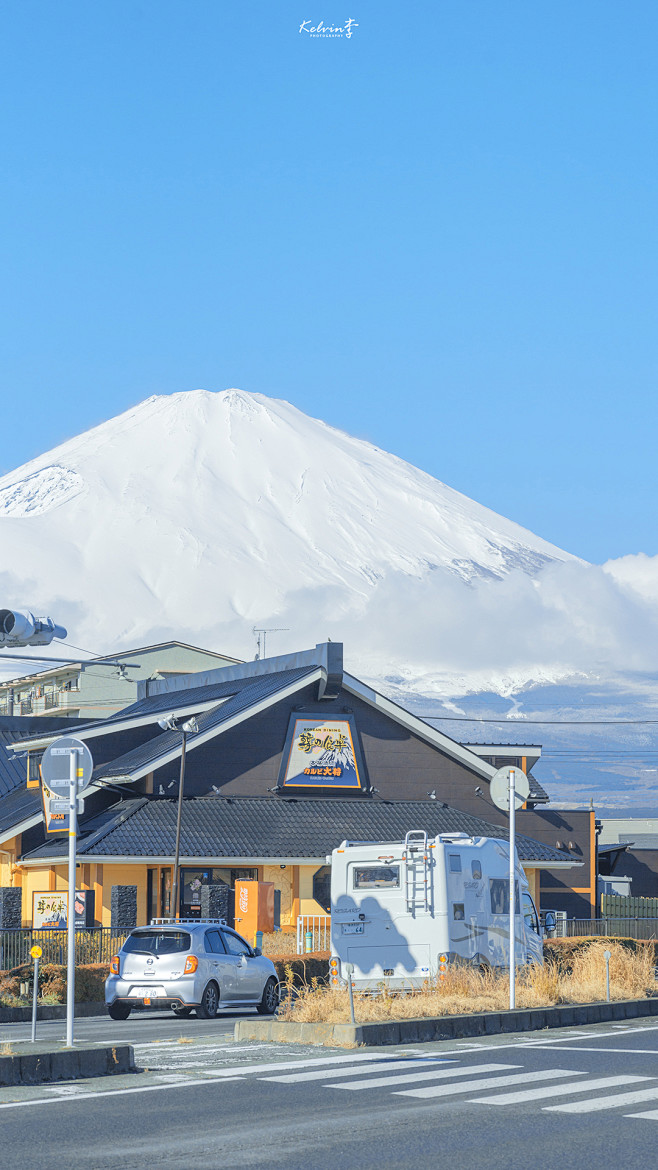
[(158, 942)]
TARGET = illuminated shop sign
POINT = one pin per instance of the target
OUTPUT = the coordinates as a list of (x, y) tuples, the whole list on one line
[(321, 753)]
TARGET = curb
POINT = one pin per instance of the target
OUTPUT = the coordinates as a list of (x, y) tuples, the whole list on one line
[(66, 1064), (49, 1011), (444, 1027)]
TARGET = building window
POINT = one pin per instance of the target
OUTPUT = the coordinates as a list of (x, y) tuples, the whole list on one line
[(322, 887)]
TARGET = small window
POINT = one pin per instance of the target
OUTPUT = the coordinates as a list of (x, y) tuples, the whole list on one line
[(214, 943), (499, 892), (455, 862), (234, 944), (377, 877), (476, 870), (458, 911)]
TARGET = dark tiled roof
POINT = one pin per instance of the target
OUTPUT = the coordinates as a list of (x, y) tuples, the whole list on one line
[(272, 827), (191, 698), (13, 772), (20, 805), (253, 692)]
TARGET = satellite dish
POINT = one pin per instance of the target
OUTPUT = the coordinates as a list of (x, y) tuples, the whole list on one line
[(499, 788)]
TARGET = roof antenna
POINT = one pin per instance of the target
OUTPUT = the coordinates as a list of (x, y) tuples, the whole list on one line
[(260, 635)]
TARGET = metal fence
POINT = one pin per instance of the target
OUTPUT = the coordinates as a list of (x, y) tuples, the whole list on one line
[(91, 946), (313, 932), (646, 928)]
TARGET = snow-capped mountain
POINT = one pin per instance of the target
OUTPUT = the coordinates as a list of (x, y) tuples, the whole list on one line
[(200, 515), (200, 510)]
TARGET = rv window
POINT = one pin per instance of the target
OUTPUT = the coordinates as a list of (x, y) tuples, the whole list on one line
[(455, 862), (458, 911), (377, 877), (476, 870), (499, 890), (530, 914)]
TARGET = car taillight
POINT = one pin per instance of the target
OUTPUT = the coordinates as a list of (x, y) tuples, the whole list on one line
[(114, 965), (191, 964)]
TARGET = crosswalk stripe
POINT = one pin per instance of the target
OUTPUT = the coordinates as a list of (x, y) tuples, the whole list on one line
[(650, 1115), (488, 1083), (434, 1075), (613, 1102), (310, 1062), (558, 1090), (350, 1071)]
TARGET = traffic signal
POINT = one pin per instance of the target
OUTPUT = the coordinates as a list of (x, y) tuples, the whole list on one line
[(20, 628)]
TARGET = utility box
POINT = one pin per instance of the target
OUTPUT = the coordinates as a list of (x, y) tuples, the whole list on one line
[(254, 908)]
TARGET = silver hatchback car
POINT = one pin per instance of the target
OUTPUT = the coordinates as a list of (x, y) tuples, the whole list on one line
[(189, 964)]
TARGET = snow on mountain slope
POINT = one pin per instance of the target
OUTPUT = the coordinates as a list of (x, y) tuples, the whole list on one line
[(199, 509)]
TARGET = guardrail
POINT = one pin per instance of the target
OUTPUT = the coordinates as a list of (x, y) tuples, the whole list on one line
[(640, 928), (91, 946), (313, 933)]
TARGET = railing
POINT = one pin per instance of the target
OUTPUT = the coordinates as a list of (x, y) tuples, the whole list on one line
[(91, 946), (646, 928), (318, 929), (50, 700), (26, 706)]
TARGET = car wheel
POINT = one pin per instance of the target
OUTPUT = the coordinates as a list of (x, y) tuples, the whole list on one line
[(182, 1011), (270, 999), (207, 1009), (118, 1011)]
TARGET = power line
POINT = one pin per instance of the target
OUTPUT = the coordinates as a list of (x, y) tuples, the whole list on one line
[(536, 722)]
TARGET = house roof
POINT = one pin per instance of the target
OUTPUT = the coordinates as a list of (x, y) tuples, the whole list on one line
[(231, 709), (72, 663), (13, 728), (216, 829)]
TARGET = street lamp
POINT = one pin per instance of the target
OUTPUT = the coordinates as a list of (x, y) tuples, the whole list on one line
[(190, 727)]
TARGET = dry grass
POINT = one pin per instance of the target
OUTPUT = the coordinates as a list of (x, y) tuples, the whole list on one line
[(6, 1049), (465, 990)]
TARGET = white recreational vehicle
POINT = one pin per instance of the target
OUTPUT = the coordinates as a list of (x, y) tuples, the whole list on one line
[(400, 913)]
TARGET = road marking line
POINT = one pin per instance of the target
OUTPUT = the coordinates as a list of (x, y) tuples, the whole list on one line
[(351, 1071), (606, 1102), (636, 1052), (558, 1090), (439, 1074), (487, 1083), (651, 1115)]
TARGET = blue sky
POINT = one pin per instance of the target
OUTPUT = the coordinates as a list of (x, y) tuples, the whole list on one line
[(439, 234)]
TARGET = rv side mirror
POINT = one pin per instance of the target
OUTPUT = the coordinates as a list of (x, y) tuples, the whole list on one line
[(256, 952), (550, 921)]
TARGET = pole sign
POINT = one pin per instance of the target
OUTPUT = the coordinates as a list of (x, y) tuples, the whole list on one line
[(55, 779), (509, 789)]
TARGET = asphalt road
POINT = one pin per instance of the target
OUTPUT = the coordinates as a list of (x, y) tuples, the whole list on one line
[(580, 1099)]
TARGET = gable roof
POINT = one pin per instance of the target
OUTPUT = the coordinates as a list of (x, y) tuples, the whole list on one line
[(252, 697), (242, 830), (13, 772)]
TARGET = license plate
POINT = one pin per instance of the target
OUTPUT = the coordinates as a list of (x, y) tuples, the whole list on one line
[(148, 992), (352, 928)]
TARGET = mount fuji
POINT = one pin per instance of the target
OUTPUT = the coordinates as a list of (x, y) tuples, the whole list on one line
[(200, 515)]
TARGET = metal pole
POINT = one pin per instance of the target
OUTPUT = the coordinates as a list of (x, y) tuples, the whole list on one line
[(512, 891), (174, 896), (35, 992), (70, 921)]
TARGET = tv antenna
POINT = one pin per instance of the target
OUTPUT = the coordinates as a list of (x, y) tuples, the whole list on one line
[(261, 634)]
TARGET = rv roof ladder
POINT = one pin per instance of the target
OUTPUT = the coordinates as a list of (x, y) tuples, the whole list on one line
[(416, 883)]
